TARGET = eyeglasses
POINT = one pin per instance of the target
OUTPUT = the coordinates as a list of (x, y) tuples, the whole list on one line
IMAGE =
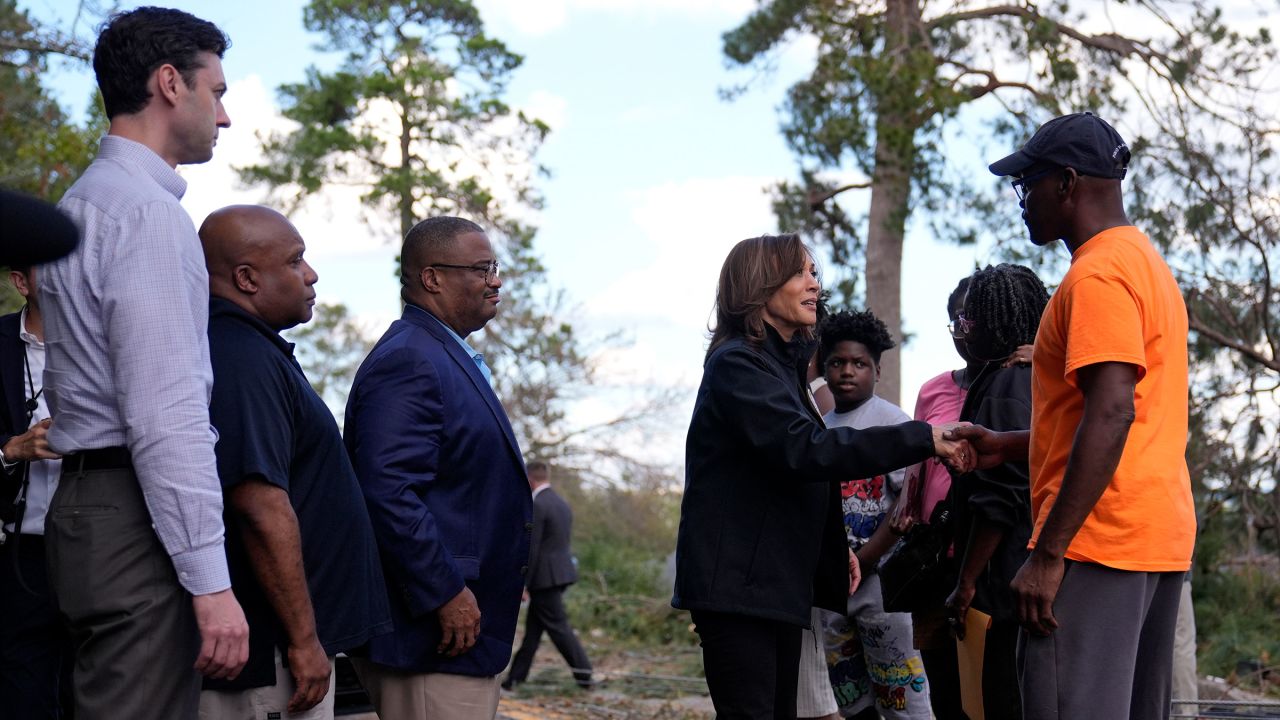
[(960, 327), (1020, 185), (490, 269)]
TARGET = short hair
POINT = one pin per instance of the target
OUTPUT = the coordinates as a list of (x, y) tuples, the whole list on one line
[(537, 466), (429, 237), (133, 44), (862, 327), (1008, 300), (752, 273)]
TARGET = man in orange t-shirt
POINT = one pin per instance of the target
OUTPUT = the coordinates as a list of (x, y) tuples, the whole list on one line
[(1111, 496)]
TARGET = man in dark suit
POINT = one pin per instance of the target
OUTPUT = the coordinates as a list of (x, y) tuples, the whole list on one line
[(551, 569), (34, 651), (444, 481)]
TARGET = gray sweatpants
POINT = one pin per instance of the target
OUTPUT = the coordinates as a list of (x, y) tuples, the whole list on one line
[(1112, 654)]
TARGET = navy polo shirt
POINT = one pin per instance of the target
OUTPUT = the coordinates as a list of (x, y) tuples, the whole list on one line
[(273, 427)]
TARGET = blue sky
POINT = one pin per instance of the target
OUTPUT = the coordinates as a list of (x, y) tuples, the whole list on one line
[(654, 177)]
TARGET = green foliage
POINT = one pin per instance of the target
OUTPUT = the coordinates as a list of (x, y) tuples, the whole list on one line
[(415, 116), (42, 151), (622, 536)]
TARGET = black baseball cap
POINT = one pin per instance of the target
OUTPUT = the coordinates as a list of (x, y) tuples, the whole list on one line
[(1082, 141)]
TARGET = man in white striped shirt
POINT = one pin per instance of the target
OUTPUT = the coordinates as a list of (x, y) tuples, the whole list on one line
[(135, 530)]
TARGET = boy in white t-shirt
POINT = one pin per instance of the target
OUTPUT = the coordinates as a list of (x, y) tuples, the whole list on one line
[(886, 679)]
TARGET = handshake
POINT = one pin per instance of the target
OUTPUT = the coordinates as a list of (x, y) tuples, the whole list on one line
[(952, 447), (964, 446)]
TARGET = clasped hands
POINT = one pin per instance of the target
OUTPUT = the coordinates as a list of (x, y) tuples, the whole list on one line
[(958, 454)]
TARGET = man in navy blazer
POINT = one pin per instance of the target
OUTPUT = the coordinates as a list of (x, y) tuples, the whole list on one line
[(445, 485)]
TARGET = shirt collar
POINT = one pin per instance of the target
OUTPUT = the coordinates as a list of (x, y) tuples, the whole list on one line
[(222, 307), (27, 336), (540, 488), (470, 351), (114, 147)]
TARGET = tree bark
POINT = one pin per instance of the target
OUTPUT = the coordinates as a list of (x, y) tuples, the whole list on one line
[(896, 123), (890, 194)]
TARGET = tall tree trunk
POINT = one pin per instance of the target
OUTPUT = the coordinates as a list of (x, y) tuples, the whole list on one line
[(896, 123), (890, 193), (406, 176)]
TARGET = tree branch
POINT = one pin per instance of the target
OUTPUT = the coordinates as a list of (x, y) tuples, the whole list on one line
[(818, 198), (1200, 327)]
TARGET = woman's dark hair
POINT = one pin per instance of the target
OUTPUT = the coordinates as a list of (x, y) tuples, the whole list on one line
[(861, 327), (133, 44), (753, 272), (1007, 300), (957, 295)]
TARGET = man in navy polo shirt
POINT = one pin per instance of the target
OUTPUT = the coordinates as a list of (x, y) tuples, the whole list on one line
[(300, 547)]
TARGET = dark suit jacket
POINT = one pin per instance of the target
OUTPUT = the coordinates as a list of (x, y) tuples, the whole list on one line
[(445, 484), (550, 560), (13, 398)]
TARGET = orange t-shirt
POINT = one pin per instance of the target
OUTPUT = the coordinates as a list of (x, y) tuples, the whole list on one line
[(1118, 303)]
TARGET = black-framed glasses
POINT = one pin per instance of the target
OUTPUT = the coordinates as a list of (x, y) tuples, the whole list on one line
[(490, 269), (1020, 185), (960, 327)]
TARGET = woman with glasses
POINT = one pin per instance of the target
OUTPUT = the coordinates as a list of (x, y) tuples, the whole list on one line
[(993, 507), (760, 539), (939, 401)]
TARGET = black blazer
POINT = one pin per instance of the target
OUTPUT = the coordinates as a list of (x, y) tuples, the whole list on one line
[(550, 560), (761, 532), (13, 399)]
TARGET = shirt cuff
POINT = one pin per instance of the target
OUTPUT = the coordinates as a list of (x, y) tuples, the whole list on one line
[(203, 571)]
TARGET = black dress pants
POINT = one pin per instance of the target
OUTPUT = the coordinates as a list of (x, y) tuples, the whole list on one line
[(752, 665), (546, 614), (35, 660)]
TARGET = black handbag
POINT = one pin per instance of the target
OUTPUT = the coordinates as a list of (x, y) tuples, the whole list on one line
[(913, 573)]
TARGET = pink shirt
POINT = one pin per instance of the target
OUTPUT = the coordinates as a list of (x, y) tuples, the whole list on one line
[(940, 401)]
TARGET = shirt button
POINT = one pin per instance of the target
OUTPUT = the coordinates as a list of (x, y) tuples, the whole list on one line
[(524, 569), (528, 527)]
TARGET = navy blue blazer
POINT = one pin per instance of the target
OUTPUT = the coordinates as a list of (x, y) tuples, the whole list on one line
[(13, 398), (445, 484)]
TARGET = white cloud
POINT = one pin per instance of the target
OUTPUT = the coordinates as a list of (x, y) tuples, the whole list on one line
[(539, 17), (548, 107), (688, 226)]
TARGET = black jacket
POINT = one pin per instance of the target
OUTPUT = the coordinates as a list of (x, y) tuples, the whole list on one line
[(760, 526), (550, 560), (13, 397), (1000, 399)]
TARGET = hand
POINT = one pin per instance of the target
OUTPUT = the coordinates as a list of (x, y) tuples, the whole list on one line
[(957, 606), (899, 518), (986, 444), (459, 624), (1034, 589), (855, 572), (309, 666), (224, 635), (953, 450), (31, 445), (1021, 356), (524, 595)]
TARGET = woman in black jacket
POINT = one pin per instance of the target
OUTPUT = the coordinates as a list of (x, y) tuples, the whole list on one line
[(993, 507), (760, 538)]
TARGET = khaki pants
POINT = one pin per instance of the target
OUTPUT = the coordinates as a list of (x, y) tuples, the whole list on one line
[(265, 703), (400, 695)]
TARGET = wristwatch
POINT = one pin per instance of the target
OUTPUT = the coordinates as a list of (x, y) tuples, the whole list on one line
[(8, 464)]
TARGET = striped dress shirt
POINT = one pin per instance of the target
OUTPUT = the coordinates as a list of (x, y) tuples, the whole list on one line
[(126, 319)]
